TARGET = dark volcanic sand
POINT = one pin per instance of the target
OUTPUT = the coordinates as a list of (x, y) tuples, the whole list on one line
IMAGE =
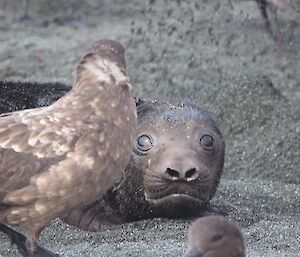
[(218, 55)]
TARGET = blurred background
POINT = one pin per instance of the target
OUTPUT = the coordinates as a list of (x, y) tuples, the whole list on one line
[(204, 39)]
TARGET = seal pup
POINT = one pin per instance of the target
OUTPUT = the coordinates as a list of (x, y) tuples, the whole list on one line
[(63, 156), (214, 236), (161, 126), (174, 169)]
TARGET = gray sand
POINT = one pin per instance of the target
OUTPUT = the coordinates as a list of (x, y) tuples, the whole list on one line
[(215, 54)]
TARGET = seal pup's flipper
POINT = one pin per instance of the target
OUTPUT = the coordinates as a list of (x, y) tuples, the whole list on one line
[(19, 240)]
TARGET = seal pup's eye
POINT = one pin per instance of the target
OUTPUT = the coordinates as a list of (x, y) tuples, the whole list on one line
[(207, 142), (144, 143)]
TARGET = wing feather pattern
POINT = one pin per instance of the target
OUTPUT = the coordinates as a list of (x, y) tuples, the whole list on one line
[(55, 158)]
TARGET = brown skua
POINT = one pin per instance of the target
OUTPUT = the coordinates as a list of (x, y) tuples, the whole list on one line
[(66, 155)]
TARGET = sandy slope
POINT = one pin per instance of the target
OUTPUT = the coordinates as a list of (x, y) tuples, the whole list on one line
[(218, 55)]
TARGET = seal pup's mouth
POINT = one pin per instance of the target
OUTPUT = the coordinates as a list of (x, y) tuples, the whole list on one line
[(174, 199), (175, 205), (176, 193)]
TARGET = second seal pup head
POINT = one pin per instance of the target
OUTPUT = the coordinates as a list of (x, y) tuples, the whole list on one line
[(215, 236)]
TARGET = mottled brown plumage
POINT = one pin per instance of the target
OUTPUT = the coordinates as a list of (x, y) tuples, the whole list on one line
[(63, 156), (214, 236)]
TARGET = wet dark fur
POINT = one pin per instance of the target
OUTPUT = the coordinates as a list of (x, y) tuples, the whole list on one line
[(126, 201), (26, 95)]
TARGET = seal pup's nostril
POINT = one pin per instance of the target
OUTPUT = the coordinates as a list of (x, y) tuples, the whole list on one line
[(172, 174), (191, 174)]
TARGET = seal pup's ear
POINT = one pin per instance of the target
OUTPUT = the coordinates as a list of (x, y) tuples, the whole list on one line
[(103, 63), (214, 236), (139, 101)]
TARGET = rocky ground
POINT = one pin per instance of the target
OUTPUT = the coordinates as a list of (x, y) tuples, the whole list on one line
[(219, 55)]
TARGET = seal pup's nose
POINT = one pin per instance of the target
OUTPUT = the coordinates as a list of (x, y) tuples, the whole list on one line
[(214, 236), (183, 174)]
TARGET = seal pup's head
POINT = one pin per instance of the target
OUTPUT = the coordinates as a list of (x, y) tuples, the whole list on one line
[(176, 164), (214, 236), (182, 152)]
